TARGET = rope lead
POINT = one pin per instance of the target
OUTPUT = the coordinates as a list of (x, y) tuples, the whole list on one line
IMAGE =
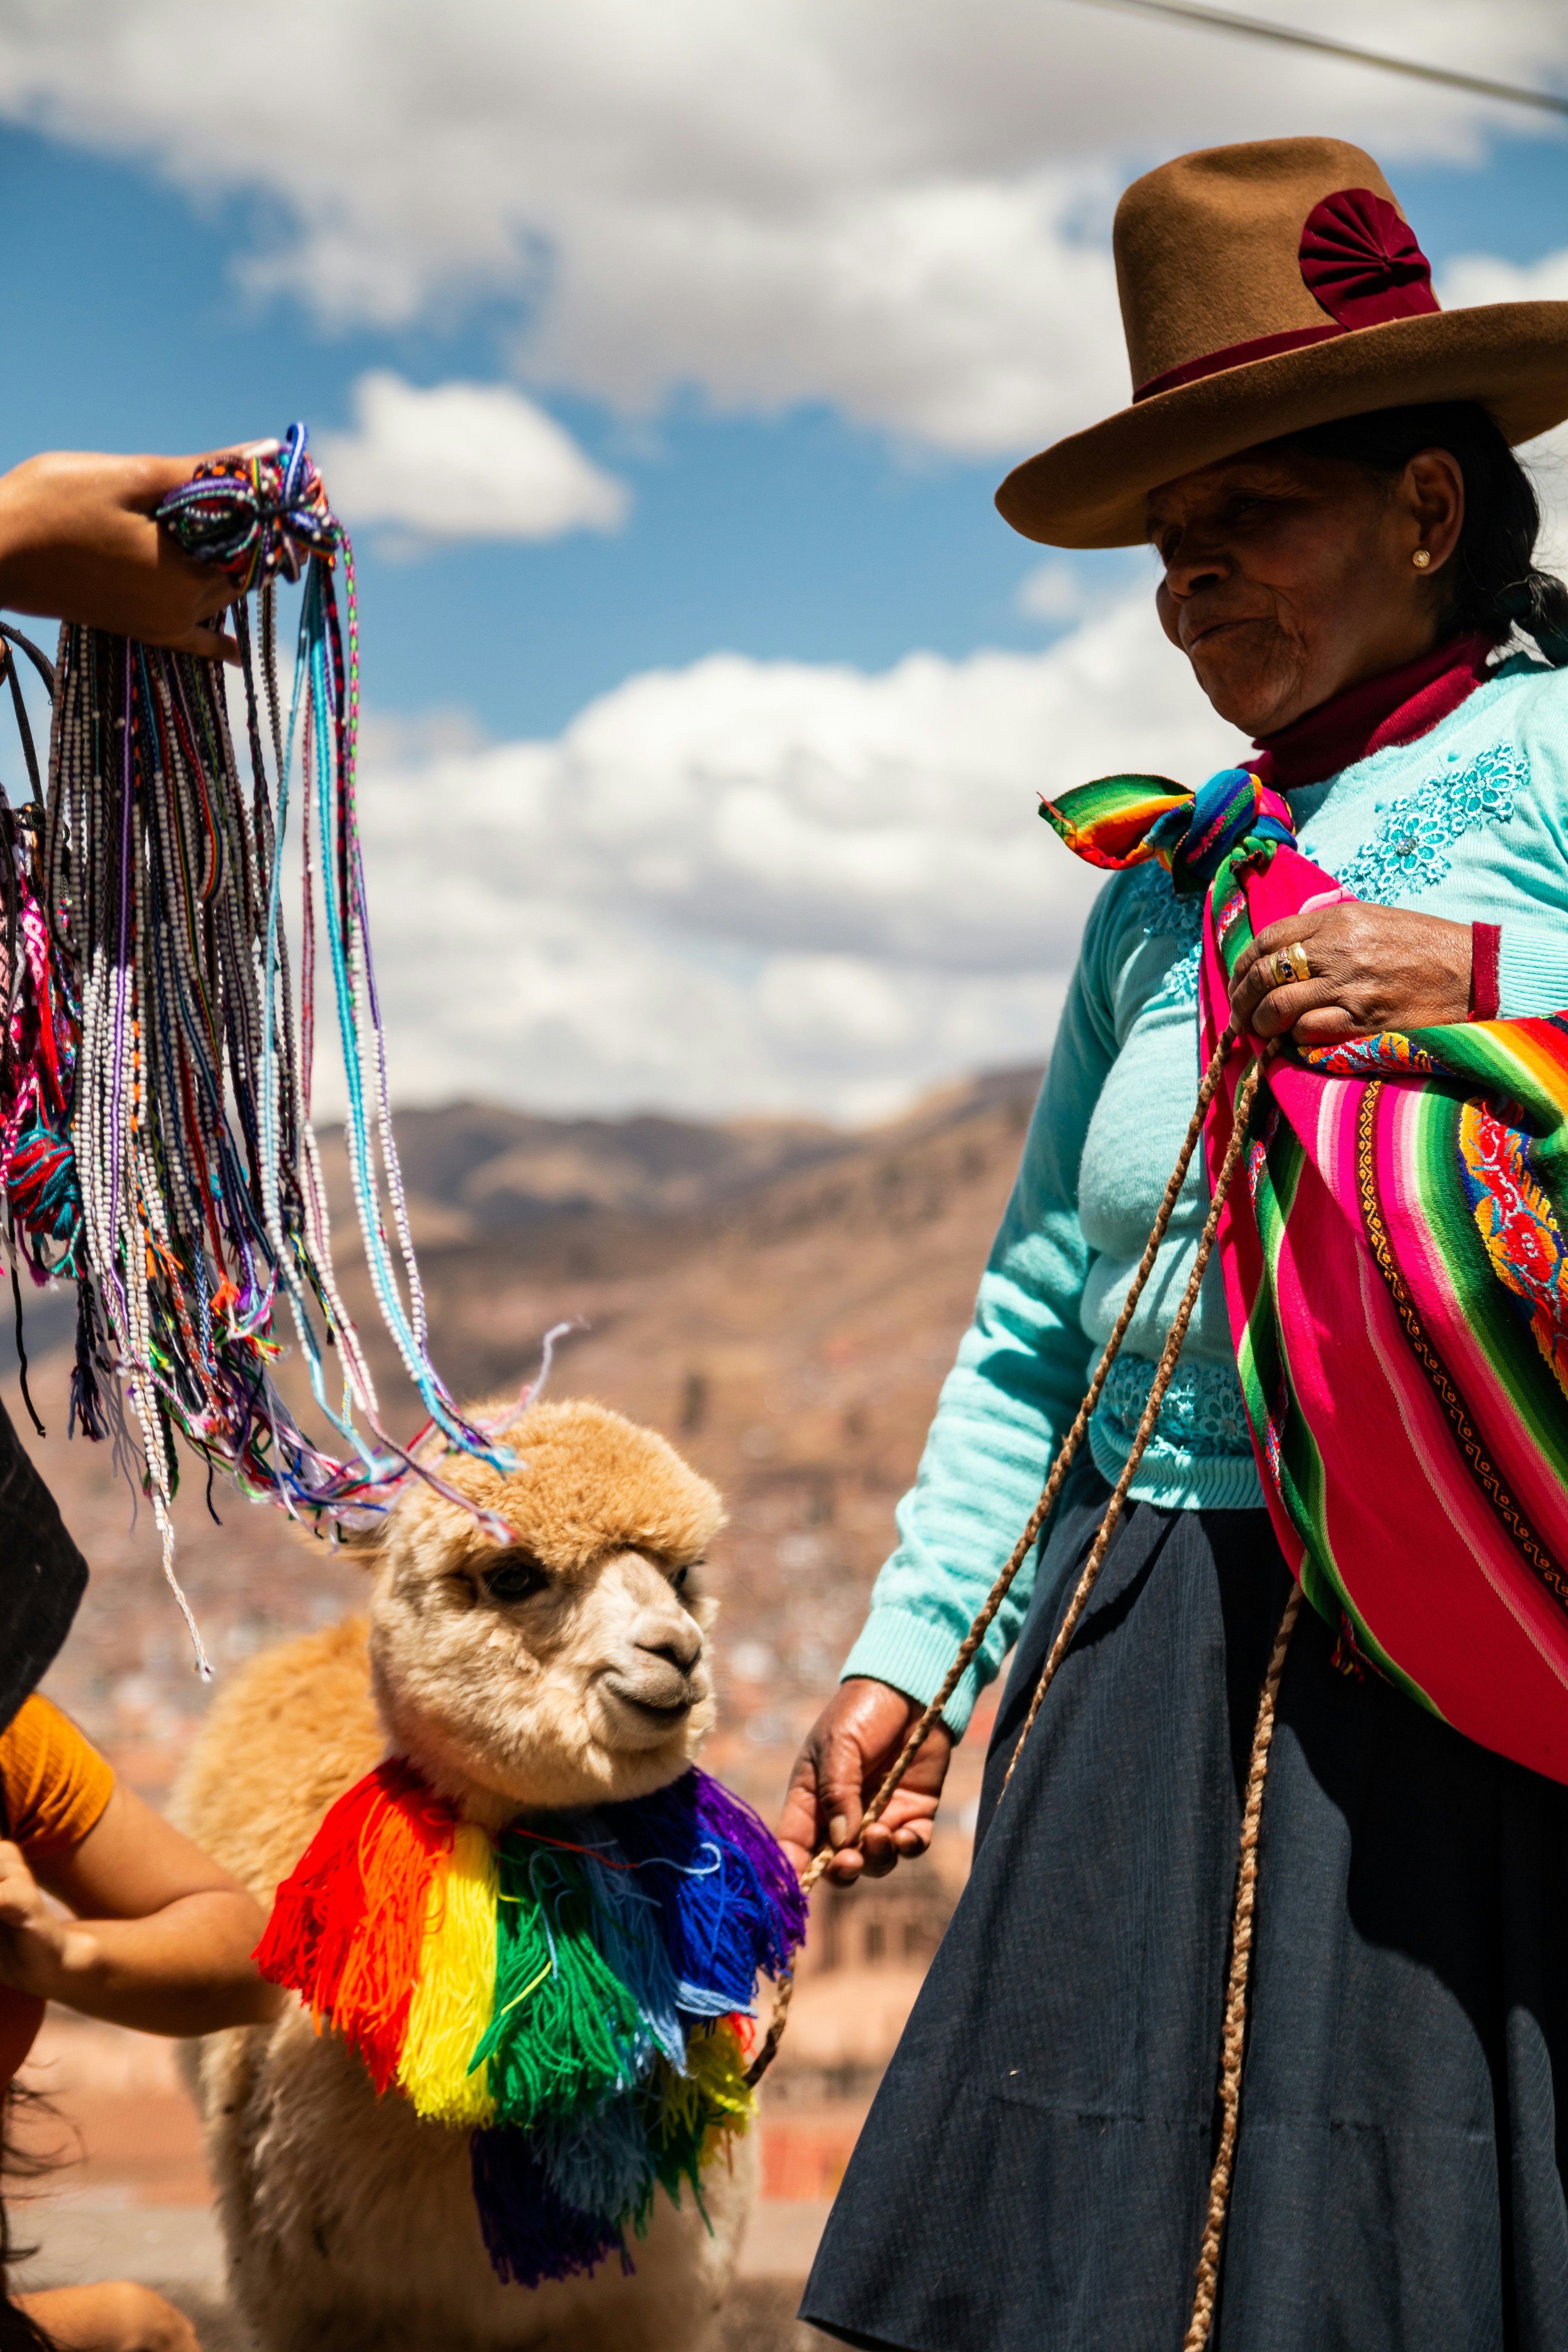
[(1202, 2319)]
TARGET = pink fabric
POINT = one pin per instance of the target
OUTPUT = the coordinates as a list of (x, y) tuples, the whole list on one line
[(1396, 708), (1439, 1554), (1363, 263)]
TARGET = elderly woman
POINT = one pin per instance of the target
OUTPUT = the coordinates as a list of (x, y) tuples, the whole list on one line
[(1320, 460)]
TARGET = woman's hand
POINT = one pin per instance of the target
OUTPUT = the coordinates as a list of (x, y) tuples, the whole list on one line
[(1373, 968), (77, 543), (845, 1759)]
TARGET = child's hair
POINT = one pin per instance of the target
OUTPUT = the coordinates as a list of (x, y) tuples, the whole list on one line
[(18, 2332)]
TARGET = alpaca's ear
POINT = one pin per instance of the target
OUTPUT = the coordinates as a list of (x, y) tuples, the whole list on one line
[(365, 1541)]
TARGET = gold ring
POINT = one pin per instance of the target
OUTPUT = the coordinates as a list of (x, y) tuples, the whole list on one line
[(1288, 964)]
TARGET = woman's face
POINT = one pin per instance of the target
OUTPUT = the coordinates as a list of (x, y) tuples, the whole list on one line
[(1290, 577)]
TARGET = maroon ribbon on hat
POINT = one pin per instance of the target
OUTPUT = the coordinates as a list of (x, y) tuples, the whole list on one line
[(1359, 260), (1362, 262)]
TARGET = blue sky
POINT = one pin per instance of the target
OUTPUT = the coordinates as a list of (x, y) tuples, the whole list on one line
[(806, 503), (804, 537)]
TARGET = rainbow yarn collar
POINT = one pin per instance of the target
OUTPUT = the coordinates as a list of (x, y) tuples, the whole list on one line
[(576, 1998)]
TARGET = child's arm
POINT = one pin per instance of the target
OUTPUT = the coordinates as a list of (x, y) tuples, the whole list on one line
[(161, 1939)]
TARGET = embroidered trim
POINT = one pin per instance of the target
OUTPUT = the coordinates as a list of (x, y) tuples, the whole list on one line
[(1407, 856), (1202, 1417)]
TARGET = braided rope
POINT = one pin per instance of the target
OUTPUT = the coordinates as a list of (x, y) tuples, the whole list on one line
[(1157, 1387), (1234, 2039), (1063, 1463)]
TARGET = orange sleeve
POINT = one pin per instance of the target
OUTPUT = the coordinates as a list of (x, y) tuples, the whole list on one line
[(56, 1782)]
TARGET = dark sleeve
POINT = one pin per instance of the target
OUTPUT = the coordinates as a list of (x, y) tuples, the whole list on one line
[(42, 1575)]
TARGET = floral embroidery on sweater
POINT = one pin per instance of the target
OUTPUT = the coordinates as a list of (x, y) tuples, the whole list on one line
[(1404, 856), (1407, 856)]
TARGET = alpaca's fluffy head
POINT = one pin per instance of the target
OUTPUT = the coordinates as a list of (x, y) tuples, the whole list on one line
[(567, 1667)]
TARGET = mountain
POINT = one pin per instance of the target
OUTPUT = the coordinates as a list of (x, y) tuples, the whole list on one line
[(782, 1299)]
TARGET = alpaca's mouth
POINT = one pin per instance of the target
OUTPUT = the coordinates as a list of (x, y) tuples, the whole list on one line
[(653, 1710)]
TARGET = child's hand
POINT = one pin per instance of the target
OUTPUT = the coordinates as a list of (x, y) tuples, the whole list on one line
[(116, 2318), (32, 1940)]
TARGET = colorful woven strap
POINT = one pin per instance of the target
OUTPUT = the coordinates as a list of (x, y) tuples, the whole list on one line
[(1122, 820)]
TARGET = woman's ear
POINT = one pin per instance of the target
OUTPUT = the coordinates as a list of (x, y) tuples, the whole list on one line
[(1430, 496)]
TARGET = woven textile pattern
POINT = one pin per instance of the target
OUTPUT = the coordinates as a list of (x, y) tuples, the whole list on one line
[(1396, 1275)]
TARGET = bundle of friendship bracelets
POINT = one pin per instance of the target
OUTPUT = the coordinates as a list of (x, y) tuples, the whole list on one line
[(155, 1065), (579, 2002)]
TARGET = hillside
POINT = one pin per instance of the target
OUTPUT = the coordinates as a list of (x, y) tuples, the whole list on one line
[(782, 1299)]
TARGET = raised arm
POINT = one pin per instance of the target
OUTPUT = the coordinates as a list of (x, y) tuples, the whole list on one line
[(77, 543)]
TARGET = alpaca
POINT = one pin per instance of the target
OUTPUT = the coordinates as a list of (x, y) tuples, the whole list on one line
[(564, 1670)]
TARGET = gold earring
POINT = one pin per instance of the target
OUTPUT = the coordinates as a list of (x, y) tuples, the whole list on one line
[(1422, 558)]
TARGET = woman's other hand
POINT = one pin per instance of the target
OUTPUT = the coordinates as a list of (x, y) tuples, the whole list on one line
[(846, 1757), (1373, 968), (77, 543)]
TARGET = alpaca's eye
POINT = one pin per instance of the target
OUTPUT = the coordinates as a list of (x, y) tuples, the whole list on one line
[(677, 1581), (516, 1580)]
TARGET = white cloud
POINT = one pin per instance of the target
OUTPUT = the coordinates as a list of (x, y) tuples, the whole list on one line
[(1482, 277), (750, 885), (901, 211), (1056, 591), (463, 461)]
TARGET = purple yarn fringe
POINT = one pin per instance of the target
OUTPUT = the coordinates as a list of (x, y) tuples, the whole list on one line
[(531, 2233)]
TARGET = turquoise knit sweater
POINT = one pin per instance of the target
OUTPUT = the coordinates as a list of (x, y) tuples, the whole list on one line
[(1470, 821)]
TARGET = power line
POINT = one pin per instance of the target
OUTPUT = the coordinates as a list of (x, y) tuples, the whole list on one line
[(1222, 20)]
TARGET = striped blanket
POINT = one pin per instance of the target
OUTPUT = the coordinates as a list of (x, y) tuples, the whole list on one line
[(1396, 1274)]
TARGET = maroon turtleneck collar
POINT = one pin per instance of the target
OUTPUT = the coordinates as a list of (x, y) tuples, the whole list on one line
[(1394, 708)]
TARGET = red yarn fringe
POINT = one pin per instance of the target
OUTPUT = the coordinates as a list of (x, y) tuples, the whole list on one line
[(347, 1925)]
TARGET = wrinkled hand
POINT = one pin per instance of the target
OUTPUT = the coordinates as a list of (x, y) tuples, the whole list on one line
[(1373, 968), (77, 543), (845, 1759)]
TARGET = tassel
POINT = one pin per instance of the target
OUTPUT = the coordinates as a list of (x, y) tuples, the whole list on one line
[(600, 2164), (690, 2115), (348, 1924), (455, 1990), (529, 2232), (628, 1929), (566, 2028), (732, 1905)]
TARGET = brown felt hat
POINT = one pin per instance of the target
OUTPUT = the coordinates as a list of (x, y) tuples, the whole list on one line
[(1265, 289)]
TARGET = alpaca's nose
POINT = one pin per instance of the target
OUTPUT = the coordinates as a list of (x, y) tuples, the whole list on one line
[(675, 1640)]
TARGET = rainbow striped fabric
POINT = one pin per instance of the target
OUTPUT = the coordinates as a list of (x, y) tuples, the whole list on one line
[(1121, 821), (575, 1994), (1396, 1273)]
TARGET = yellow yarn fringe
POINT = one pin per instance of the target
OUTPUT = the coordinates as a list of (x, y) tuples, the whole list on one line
[(715, 2082), (455, 1989)]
